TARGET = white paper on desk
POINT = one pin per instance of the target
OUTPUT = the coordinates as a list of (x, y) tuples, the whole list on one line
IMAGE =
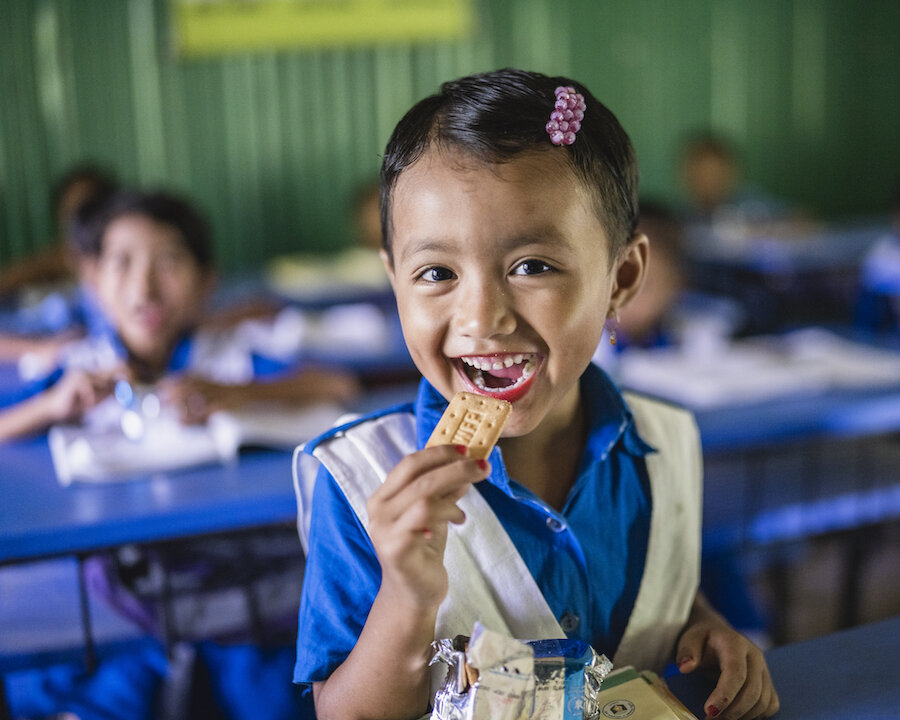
[(105, 454), (758, 369), (354, 329)]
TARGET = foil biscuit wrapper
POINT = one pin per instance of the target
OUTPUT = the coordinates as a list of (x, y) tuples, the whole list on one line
[(517, 680)]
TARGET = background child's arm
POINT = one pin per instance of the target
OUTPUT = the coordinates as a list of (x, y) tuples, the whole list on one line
[(48, 265), (13, 347), (744, 688), (76, 392), (386, 675), (197, 398)]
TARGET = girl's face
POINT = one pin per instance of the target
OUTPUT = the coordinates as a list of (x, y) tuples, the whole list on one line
[(503, 280), (149, 285)]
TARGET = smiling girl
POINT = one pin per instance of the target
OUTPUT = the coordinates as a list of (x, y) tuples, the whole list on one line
[(508, 218)]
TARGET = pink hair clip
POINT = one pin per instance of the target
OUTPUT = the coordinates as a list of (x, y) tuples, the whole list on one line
[(565, 120)]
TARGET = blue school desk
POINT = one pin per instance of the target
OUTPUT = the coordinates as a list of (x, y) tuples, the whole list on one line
[(784, 278), (843, 676), (46, 530), (47, 617), (40, 519)]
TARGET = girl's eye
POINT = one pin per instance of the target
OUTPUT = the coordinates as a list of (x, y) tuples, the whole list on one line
[(436, 274), (531, 267)]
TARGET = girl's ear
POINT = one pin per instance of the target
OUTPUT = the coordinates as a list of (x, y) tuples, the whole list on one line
[(631, 269)]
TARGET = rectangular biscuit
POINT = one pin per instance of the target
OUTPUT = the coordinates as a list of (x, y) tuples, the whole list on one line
[(471, 420)]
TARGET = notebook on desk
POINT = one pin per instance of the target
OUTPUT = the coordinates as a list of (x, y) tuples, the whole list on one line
[(108, 454), (811, 360)]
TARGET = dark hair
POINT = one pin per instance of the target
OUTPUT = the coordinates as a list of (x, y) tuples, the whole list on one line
[(103, 184), (162, 207), (499, 115)]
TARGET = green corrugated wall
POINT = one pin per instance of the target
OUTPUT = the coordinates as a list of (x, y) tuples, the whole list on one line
[(272, 145)]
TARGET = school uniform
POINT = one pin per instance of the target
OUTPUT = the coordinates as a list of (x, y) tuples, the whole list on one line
[(618, 566), (694, 322), (230, 356), (239, 590), (878, 302)]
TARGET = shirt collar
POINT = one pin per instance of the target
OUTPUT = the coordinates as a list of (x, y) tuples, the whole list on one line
[(608, 417), (178, 360)]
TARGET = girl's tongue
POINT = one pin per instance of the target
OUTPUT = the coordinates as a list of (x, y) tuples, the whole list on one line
[(498, 373), (502, 377)]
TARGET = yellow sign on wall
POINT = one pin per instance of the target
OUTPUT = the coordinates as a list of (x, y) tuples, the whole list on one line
[(220, 26)]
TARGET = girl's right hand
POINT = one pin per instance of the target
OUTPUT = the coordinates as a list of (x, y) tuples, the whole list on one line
[(408, 518), (76, 392)]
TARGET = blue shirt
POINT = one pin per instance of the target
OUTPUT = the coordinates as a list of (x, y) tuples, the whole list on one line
[(262, 366), (587, 559)]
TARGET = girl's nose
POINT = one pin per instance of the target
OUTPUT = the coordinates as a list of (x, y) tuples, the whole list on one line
[(485, 310)]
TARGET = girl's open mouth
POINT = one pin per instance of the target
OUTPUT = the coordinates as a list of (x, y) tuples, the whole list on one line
[(505, 376)]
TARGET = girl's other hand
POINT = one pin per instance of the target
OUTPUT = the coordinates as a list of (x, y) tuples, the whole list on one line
[(744, 688)]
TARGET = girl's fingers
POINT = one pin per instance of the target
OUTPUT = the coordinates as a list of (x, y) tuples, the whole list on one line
[(733, 666), (441, 474), (745, 700), (429, 512), (766, 703), (690, 649), (418, 463)]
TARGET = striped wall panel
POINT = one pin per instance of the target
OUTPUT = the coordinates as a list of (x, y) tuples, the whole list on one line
[(273, 145)]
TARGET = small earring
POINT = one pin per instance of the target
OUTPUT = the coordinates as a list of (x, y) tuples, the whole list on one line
[(612, 330)]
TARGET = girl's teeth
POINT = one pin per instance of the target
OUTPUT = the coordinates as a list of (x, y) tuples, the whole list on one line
[(508, 361), (478, 378)]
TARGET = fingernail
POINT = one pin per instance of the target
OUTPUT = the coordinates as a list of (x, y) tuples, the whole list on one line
[(482, 463), (461, 449), (712, 710), (685, 659)]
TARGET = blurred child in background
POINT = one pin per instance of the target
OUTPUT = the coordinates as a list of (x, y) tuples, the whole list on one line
[(50, 293), (722, 212), (669, 311), (714, 187), (56, 263), (152, 268), (878, 304)]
